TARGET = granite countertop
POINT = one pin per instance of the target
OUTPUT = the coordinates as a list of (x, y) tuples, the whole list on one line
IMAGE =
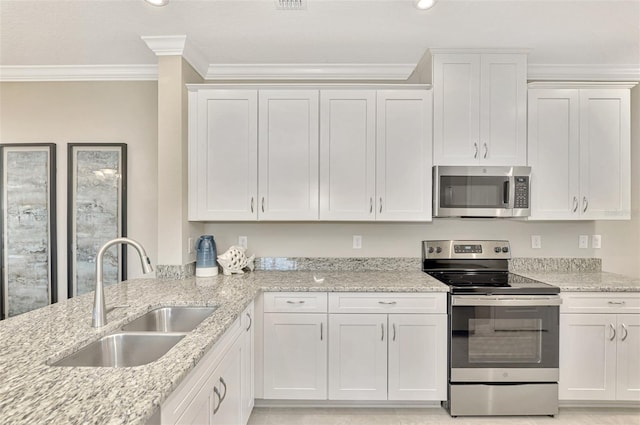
[(585, 281), (31, 391)]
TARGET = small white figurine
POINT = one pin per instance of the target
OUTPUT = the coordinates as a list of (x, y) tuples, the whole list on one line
[(234, 260)]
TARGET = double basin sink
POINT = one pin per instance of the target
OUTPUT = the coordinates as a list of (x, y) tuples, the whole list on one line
[(141, 341)]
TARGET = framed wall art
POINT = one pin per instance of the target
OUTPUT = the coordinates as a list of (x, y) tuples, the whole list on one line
[(28, 227), (97, 211)]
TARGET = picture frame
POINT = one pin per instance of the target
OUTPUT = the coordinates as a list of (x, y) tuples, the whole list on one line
[(28, 241), (97, 213)]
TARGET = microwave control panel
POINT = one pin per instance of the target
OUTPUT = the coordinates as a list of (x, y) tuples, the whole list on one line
[(521, 187)]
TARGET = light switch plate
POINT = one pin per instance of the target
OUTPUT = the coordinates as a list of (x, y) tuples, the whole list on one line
[(596, 241), (357, 241), (243, 241), (189, 245)]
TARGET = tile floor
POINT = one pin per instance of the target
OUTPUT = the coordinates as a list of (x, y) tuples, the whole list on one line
[(434, 416)]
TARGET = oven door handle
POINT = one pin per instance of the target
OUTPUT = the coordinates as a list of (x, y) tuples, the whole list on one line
[(505, 300)]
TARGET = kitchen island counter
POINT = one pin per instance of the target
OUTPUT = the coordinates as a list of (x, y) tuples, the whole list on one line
[(32, 391)]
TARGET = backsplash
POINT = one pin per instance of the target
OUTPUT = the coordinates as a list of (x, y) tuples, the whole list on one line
[(355, 264)]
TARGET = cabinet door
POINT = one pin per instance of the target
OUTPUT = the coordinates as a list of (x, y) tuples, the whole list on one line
[(403, 155), (288, 155), (503, 109), (418, 357), (227, 389), (223, 135), (605, 154), (628, 357), (553, 153), (358, 357), (200, 409), (295, 356), (347, 154), (247, 372), (456, 109), (587, 357)]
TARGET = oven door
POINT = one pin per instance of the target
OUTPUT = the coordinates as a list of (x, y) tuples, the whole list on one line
[(504, 338)]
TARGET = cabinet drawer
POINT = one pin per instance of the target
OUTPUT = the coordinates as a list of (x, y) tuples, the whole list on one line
[(356, 302), (299, 302), (600, 302)]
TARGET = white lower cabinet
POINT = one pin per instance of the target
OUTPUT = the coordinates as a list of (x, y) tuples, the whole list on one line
[(600, 347), (218, 389), (295, 346), (247, 371), (399, 355)]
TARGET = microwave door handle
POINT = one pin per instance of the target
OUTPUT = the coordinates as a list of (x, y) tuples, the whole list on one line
[(505, 193)]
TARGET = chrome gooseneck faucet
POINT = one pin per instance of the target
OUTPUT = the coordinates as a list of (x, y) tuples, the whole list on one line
[(99, 307)]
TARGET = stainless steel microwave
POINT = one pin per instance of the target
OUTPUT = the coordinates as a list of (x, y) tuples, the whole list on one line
[(478, 191)]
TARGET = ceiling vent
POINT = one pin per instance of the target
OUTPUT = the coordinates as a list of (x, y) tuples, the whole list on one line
[(291, 4)]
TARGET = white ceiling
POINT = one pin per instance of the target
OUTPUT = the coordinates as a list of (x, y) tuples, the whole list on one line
[(108, 32)]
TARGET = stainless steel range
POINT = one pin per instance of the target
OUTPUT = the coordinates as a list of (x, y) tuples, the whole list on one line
[(503, 331)]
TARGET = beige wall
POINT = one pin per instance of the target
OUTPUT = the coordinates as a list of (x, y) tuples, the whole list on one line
[(621, 240), (64, 112)]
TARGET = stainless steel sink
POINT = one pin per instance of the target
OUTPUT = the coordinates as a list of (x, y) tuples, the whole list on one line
[(170, 319), (123, 350)]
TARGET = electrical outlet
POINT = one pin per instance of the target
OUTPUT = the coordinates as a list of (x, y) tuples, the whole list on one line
[(536, 241), (583, 241), (189, 245), (243, 241), (596, 241), (357, 241)]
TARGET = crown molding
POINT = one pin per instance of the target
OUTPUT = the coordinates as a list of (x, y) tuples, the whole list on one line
[(78, 73), (310, 71), (177, 45), (583, 72)]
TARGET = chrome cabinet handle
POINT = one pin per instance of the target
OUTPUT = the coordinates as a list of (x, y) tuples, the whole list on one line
[(486, 151), (585, 204), (250, 322), (263, 204), (370, 205), (616, 302), (613, 330), (394, 331), (475, 155), (381, 204), (387, 302), (575, 203), (225, 389), (215, 409), (626, 332), (295, 302), (382, 328), (321, 330), (252, 204)]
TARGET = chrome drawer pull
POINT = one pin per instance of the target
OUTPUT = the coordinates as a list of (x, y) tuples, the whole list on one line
[(295, 302), (613, 330), (616, 302), (387, 302), (626, 332)]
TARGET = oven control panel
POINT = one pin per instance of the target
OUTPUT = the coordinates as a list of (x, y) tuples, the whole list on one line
[(460, 249)]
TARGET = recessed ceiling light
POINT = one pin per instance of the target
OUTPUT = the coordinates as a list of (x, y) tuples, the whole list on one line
[(157, 2), (425, 4)]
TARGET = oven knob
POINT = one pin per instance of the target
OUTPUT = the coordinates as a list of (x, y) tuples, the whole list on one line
[(430, 250), (496, 249), (505, 249), (438, 250)]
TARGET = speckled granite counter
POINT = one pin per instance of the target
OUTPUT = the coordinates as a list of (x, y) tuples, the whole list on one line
[(586, 281), (32, 392)]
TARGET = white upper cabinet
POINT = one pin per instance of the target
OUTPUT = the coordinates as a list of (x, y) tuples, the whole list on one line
[(375, 155), (223, 149), (307, 153), (480, 102), (347, 154), (404, 155), (288, 155), (579, 151)]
